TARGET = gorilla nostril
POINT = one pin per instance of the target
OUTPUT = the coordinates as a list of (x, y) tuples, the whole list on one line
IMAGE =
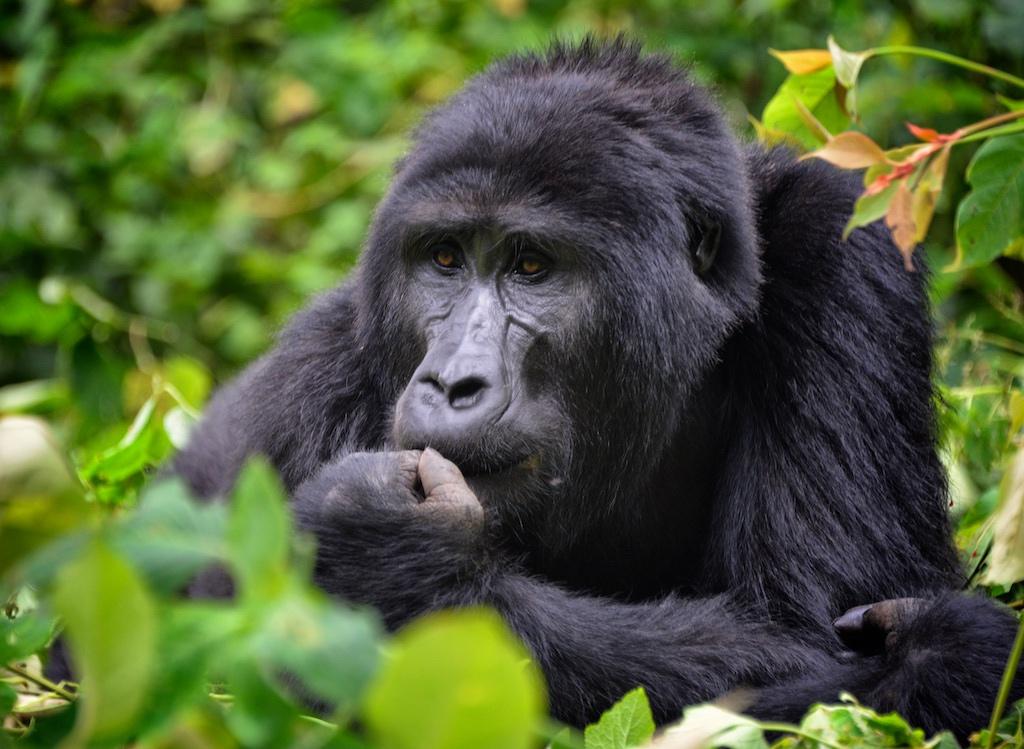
[(434, 383), (466, 393)]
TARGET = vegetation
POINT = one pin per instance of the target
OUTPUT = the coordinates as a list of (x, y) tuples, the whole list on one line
[(177, 177)]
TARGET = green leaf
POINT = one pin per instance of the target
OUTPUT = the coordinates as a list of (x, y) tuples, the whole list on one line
[(260, 715), (111, 626), (259, 529), (332, 649), (456, 680), (171, 537), (195, 636), (990, 220), (144, 444), (626, 724), (869, 208), (23, 636), (817, 92), (847, 64)]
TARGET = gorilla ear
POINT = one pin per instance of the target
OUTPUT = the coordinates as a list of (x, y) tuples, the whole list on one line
[(705, 245)]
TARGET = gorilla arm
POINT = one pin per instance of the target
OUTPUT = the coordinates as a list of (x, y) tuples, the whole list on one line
[(384, 544)]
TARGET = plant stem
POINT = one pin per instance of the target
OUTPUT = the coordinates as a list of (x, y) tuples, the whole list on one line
[(977, 67), (990, 122), (1004, 687), (40, 681), (1013, 127)]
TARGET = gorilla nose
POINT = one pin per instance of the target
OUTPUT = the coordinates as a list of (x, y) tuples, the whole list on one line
[(463, 393)]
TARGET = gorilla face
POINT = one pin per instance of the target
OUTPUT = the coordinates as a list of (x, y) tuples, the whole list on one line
[(490, 308), (568, 262)]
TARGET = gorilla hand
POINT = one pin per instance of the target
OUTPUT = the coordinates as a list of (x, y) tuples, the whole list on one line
[(423, 482), (401, 531), (875, 628)]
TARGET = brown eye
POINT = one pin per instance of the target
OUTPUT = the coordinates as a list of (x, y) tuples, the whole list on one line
[(530, 265), (445, 256)]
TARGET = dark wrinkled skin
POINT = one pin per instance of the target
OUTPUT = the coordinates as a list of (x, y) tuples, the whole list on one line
[(676, 457)]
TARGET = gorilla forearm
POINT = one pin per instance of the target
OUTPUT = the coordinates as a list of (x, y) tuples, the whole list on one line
[(682, 651)]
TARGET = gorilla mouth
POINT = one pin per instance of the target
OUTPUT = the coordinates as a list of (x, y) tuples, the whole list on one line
[(483, 469)]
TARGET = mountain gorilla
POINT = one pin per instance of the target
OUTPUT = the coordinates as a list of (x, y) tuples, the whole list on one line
[(617, 376)]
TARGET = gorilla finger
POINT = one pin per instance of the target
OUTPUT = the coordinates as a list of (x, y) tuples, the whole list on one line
[(893, 614), (440, 477), (454, 502), (407, 468)]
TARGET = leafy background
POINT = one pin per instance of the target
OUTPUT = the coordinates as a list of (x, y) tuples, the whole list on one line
[(177, 177)]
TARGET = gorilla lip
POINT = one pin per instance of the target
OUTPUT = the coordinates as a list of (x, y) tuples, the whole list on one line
[(529, 464)]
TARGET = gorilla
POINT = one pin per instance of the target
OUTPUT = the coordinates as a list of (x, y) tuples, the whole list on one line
[(615, 374)]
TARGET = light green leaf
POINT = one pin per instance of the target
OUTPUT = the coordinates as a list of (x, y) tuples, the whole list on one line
[(847, 64), (713, 726), (332, 649), (259, 529), (817, 92), (870, 208), (455, 680), (144, 444), (170, 537), (626, 724), (111, 626), (24, 635), (990, 220), (1006, 562)]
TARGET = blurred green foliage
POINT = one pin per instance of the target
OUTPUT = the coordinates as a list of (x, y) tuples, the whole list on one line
[(179, 176)]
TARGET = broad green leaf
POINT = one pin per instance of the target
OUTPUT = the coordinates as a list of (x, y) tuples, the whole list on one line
[(40, 497), (852, 724), (990, 220), (111, 626), (710, 725), (259, 529), (817, 92), (626, 724), (171, 537), (458, 680), (331, 649)]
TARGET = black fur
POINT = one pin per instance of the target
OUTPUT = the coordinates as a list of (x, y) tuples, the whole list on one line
[(739, 456)]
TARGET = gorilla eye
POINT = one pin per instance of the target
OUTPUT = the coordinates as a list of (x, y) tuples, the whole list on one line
[(446, 256), (530, 266), (706, 246)]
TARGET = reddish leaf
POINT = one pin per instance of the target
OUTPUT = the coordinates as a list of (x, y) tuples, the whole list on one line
[(850, 150), (927, 192), (900, 220), (926, 134)]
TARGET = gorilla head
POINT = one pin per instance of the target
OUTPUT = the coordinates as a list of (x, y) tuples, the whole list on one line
[(571, 241)]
